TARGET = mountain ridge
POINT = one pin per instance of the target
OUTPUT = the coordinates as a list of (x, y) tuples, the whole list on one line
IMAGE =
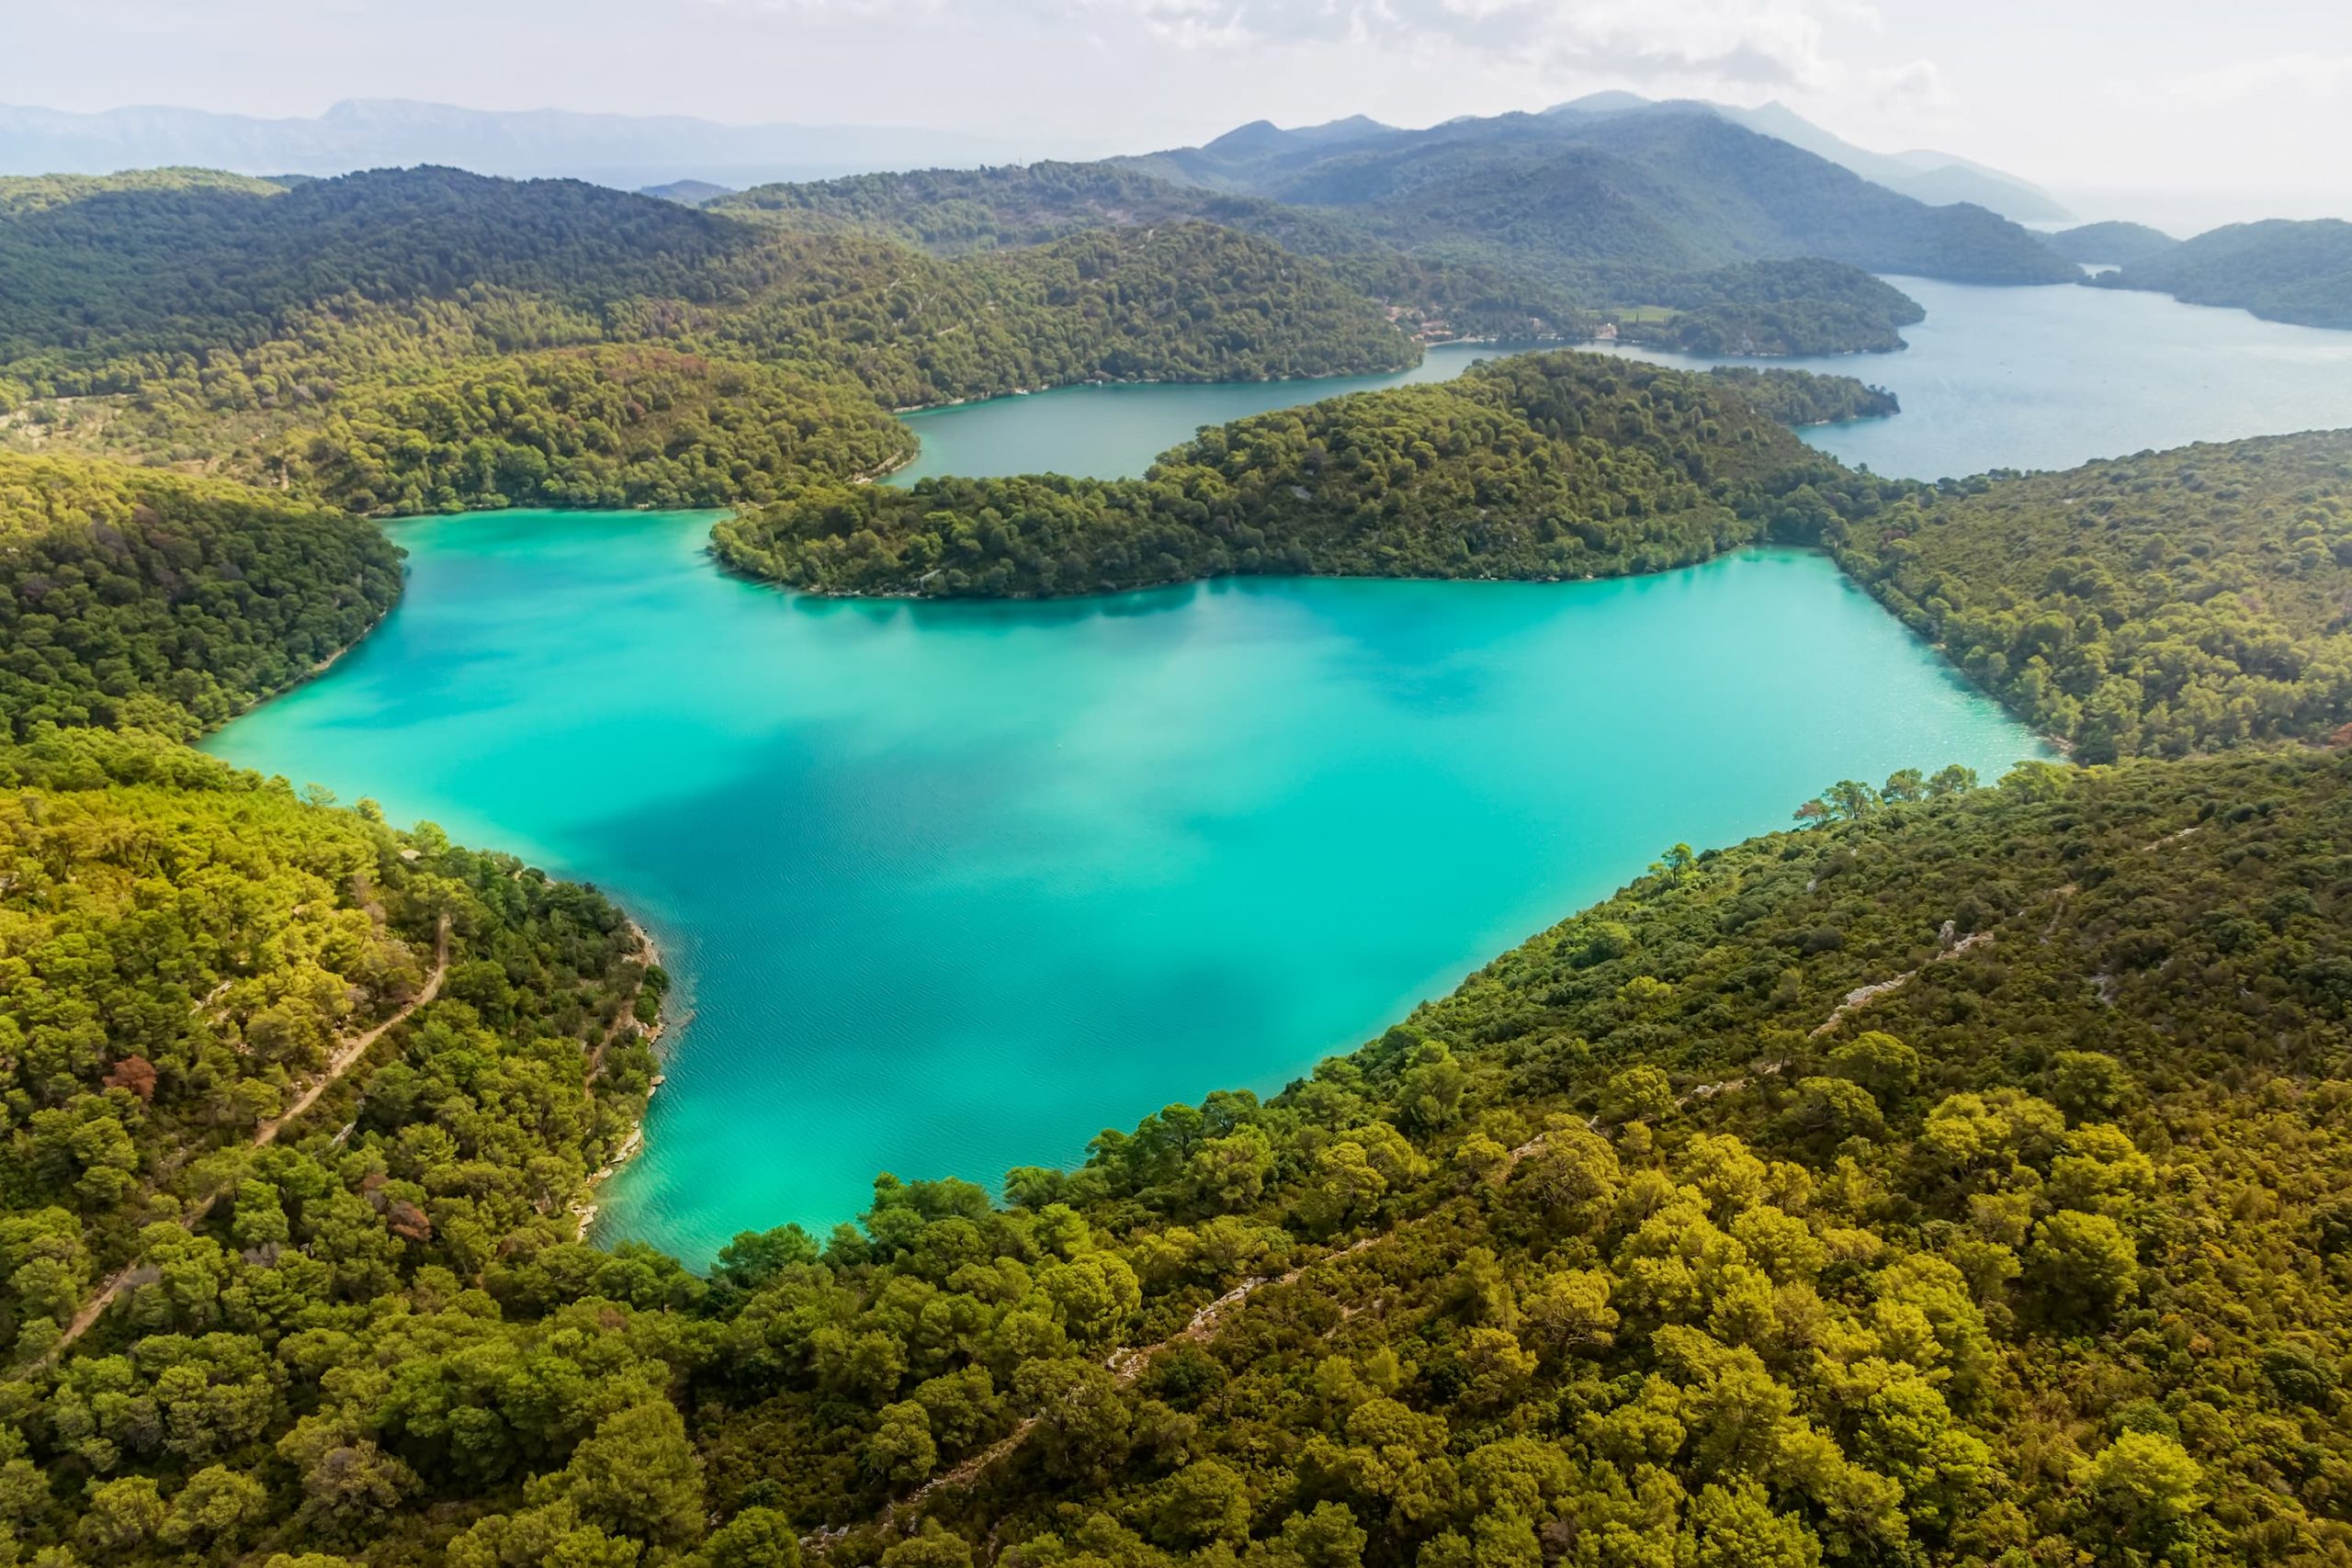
[(1926, 174), (627, 150)]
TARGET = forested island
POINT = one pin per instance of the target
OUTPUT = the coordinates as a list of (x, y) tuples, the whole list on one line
[(1773, 307), (1544, 466), (2204, 611), (1954, 1177)]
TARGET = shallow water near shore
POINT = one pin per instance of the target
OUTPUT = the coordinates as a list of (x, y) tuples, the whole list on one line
[(949, 887)]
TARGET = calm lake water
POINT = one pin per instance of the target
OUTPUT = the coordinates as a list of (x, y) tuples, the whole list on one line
[(950, 887), (1994, 379), (1113, 429)]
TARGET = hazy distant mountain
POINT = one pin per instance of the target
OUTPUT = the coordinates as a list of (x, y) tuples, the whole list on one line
[(2110, 244), (627, 150), (1937, 178), (1659, 189)]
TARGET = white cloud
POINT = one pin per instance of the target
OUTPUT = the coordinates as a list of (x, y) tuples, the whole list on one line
[(1765, 43)]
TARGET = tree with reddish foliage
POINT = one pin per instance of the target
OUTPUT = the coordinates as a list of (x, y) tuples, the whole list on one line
[(136, 1073)]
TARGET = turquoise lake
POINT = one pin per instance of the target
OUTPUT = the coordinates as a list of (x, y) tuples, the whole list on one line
[(950, 887)]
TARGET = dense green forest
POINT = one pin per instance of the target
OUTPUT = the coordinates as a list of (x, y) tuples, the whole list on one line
[(286, 1090), (1796, 397), (219, 327), (1540, 465), (1579, 232), (2280, 269), (24, 193), (116, 291), (1775, 307), (594, 427), (129, 597), (953, 212), (276, 1079), (2168, 602)]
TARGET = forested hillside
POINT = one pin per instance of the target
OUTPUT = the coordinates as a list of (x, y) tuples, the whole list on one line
[(116, 291), (2280, 270), (277, 1077), (1504, 222), (286, 1090), (235, 329), (2165, 604), (130, 598), (24, 193), (1956, 1179), (952, 212), (1542, 466), (594, 427)]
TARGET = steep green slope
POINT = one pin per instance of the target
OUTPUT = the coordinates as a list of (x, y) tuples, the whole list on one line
[(192, 271), (1544, 466), (273, 1075), (133, 598), (954, 211), (2280, 270), (281, 1082), (117, 291), (2168, 602)]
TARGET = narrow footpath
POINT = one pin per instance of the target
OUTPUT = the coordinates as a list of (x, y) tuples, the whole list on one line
[(345, 1056)]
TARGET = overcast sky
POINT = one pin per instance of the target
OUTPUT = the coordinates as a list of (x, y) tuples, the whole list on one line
[(2246, 104)]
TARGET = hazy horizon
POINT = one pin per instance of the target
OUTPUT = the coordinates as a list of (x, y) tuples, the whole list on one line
[(2172, 121)]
